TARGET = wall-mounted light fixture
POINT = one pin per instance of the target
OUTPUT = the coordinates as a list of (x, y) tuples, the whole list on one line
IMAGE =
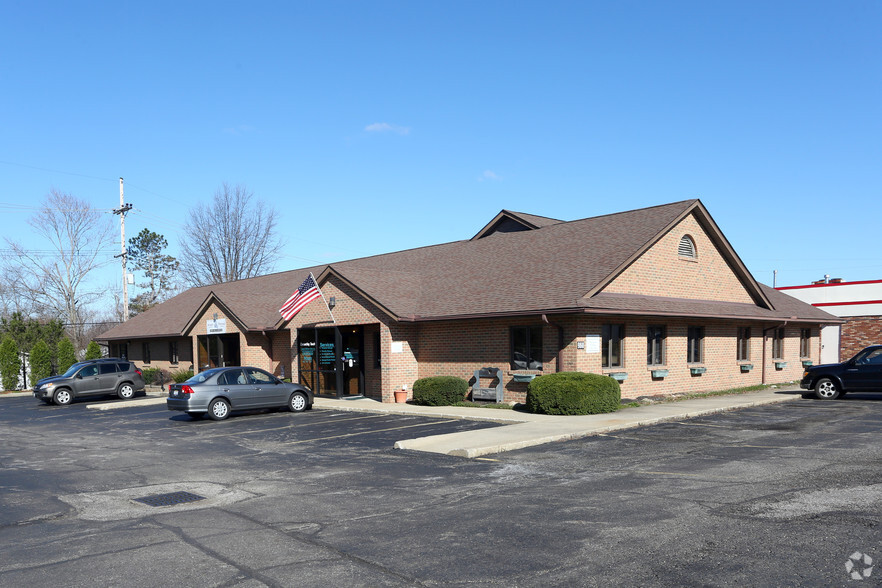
[(332, 302)]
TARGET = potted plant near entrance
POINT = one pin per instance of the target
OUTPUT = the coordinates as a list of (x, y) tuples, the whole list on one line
[(401, 395)]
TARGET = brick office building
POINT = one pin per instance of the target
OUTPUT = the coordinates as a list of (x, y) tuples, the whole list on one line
[(859, 304), (656, 298)]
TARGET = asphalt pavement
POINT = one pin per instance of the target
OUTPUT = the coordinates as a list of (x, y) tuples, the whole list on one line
[(525, 429)]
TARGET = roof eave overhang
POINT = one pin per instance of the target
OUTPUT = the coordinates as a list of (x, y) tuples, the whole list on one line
[(709, 315), (617, 312), (130, 337)]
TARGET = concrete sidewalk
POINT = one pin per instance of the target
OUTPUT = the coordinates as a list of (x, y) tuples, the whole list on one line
[(527, 430)]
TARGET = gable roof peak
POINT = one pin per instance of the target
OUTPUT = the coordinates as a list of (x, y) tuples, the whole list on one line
[(509, 221)]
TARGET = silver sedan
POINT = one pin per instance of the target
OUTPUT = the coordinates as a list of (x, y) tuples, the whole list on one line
[(218, 391)]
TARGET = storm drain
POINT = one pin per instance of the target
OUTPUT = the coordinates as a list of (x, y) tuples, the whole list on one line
[(170, 499)]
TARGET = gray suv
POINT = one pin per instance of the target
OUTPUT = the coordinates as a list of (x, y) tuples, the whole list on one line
[(93, 377)]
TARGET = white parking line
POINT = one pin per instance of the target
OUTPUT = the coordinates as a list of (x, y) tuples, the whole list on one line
[(369, 432)]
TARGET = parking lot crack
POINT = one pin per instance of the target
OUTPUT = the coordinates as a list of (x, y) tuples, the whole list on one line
[(359, 561)]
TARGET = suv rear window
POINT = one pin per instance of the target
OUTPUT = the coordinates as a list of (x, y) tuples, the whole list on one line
[(124, 366)]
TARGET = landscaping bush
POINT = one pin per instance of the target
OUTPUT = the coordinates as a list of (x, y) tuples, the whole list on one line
[(67, 356), (439, 391), (181, 376), (10, 363), (573, 393), (152, 376), (41, 362), (93, 350)]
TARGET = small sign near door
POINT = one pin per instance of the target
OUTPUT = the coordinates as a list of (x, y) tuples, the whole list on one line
[(215, 326)]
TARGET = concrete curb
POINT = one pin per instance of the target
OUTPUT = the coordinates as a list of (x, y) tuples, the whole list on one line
[(471, 444)]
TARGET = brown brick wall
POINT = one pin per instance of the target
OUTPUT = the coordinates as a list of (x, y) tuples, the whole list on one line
[(459, 348), (353, 309), (662, 272), (857, 333), (160, 356)]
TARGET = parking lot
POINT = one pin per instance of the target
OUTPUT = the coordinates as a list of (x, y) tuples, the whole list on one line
[(777, 495)]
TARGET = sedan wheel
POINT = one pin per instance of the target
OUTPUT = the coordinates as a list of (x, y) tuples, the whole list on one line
[(297, 402), (62, 397), (218, 410), (125, 391), (826, 389)]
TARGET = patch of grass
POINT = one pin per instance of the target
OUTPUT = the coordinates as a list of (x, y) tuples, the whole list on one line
[(470, 404), (690, 396), (629, 405)]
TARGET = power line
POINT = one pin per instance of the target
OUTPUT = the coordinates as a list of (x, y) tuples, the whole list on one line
[(55, 171)]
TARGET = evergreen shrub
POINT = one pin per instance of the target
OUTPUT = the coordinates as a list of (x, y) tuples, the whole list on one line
[(439, 391), (573, 393), (67, 356), (41, 362), (152, 376), (181, 376), (10, 363), (93, 350)]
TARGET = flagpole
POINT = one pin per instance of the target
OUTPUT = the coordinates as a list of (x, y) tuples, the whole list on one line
[(323, 298)]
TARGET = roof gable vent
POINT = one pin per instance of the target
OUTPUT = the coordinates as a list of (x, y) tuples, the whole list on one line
[(686, 247)]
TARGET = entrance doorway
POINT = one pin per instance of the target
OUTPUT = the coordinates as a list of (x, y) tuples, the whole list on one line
[(218, 351), (331, 360)]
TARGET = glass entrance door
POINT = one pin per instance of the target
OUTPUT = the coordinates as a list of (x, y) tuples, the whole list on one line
[(352, 364), (330, 360)]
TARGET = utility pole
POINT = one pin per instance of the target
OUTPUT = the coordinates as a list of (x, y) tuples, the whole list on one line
[(121, 211)]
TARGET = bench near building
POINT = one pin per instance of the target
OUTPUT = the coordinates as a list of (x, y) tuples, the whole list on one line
[(656, 298)]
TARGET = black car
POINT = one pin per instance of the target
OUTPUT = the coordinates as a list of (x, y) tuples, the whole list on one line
[(861, 373), (109, 375)]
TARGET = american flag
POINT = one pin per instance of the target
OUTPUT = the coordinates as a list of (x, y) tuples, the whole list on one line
[(306, 293)]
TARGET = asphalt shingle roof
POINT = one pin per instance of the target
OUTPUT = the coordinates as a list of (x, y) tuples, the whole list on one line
[(548, 269)]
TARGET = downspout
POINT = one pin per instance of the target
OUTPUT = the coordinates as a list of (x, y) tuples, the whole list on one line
[(560, 341), (269, 351), (784, 324)]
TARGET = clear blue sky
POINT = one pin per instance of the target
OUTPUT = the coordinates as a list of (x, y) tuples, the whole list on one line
[(380, 126)]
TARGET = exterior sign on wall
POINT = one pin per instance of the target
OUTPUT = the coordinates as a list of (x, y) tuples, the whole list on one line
[(397, 346), (214, 326), (592, 343)]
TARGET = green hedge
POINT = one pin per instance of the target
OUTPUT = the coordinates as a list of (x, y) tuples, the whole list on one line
[(155, 376), (573, 393), (181, 376), (439, 391)]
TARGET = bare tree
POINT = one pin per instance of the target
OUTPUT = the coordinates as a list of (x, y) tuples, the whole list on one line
[(55, 282), (230, 239)]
